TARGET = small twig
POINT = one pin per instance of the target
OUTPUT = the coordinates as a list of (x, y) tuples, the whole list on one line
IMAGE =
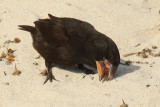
[(137, 45), (124, 104), (129, 54)]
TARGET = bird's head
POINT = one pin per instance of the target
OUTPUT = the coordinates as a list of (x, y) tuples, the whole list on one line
[(104, 67)]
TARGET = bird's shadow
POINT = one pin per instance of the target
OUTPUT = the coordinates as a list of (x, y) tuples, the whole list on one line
[(74, 69), (122, 70)]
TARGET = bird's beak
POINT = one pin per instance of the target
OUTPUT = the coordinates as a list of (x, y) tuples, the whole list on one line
[(112, 72), (102, 69)]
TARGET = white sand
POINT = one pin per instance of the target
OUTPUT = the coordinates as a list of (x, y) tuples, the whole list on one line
[(127, 22)]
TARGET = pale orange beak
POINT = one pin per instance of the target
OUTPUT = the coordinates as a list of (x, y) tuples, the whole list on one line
[(105, 68), (102, 69)]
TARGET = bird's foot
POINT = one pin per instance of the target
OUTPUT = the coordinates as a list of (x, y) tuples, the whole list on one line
[(50, 77)]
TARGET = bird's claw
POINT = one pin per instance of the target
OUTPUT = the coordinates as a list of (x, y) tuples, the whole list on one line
[(49, 77)]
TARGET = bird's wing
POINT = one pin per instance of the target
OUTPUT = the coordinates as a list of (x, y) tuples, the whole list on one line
[(52, 31), (74, 29)]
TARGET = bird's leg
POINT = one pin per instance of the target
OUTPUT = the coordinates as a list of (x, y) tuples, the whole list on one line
[(87, 71), (49, 72)]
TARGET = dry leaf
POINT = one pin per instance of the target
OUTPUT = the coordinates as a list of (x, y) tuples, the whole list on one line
[(123, 105), (10, 50), (17, 40), (16, 72), (3, 55), (129, 54), (44, 72), (10, 59), (158, 54), (150, 53), (147, 50), (143, 54)]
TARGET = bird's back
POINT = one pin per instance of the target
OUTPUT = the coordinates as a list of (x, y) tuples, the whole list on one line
[(72, 41)]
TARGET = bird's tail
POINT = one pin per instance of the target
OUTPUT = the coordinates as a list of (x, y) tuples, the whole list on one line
[(30, 29)]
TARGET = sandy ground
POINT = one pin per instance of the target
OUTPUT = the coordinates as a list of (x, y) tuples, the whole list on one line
[(127, 22)]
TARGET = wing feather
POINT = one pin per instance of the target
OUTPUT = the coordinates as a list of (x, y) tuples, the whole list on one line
[(51, 31)]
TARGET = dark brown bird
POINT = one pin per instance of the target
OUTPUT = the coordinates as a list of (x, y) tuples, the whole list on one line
[(69, 41)]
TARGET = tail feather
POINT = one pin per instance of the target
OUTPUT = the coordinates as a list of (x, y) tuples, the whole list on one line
[(52, 17), (30, 29)]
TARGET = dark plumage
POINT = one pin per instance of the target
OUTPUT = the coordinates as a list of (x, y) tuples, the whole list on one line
[(68, 41)]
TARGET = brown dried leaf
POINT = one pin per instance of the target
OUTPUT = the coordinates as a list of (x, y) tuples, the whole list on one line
[(16, 72), (17, 40), (143, 54), (150, 53), (3, 55), (44, 72), (158, 54), (124, 104), (10, 50), (10, 59), (147, 50)]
